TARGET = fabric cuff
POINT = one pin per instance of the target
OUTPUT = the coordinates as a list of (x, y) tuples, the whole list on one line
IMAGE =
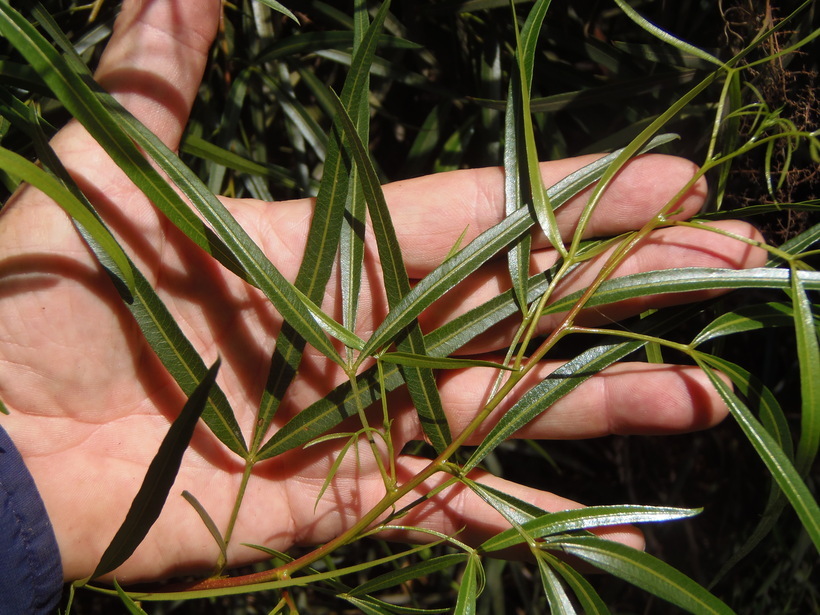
[(31, 574)]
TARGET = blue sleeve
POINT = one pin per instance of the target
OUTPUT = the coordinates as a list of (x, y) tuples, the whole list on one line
[(31, 574)]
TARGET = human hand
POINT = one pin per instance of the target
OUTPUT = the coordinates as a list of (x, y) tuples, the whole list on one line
[(90, 402)]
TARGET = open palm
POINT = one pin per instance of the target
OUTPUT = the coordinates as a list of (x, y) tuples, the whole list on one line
[(90, 401)]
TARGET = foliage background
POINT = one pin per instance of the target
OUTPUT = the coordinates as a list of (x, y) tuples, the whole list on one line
[(428, 115)]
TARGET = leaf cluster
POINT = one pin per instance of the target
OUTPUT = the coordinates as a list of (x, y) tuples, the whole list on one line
[(520, 94)]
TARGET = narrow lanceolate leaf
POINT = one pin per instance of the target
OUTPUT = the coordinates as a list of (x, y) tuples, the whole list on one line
[(523, 186), (421, 383), (769, 452), (120, 135), (563, 380), (645, 571), (666, 37), (761, 401), (581, 519), (132, 607), (324, 234), (161, 331), (468, 589), (37, 177), (525, 55), (684, 280), (808, 354), (516, 190), (559, 601), (483, 247), (749, 318), (430, 362), (352, 248), (158, 479), (280, 8), (408, 573), (209, 523), (587, 597), (515, 511), (342, 402)]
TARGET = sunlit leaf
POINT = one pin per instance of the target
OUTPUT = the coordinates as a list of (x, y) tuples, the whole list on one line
[(279, 7), (420, 381), (31, 173), (583, 518)]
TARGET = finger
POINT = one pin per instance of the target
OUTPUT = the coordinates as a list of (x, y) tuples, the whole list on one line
[(458, 511), (664, 249), (624, 399), (430, 213)]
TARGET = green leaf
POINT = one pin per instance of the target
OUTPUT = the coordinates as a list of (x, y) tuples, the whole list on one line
[(761, 400), (524, 187), (119, 134), (127, 602), (644, 571), (684, 280), (469, 588), (159, 478), (407, 573), (276, 6), (323, 236), (342, 402), (420, 381), (559, 601), (587, 597), (515, 511), (563, 380), (197, 146), (161, 331), (209, 523), (779, 465), (808, 354), (482, 248), (583, 518), (426, 361), (748, 318), (665, 36), (37, 177)]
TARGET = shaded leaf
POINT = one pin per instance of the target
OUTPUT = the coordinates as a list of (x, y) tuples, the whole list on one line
[(808, 354), (770, 453), (131, 606), (407, 573), (644, 571), (159, 478)]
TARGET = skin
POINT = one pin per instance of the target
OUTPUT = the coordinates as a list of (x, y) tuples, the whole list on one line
[(90, 402)]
